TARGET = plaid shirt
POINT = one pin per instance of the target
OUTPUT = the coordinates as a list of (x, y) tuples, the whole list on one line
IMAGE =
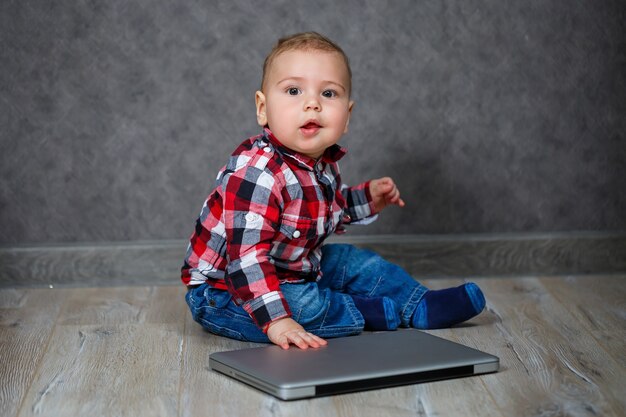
[(266, 220)]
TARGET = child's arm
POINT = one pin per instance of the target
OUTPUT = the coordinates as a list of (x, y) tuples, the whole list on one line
[(384, 192), (287, 331)]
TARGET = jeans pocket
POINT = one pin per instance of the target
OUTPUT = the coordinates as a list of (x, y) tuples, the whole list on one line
[(217, 298), (205, 300), (214, 310)]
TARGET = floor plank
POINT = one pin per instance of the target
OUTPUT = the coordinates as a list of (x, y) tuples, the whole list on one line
[(551, 364), (598, 304), (114, 351), (439, 398), (108, 370), (27, 320), (123, 305)]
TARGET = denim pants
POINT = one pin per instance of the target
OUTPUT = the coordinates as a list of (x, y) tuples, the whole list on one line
[(323, 308)]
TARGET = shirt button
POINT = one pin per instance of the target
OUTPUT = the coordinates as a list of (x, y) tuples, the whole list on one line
[(267, 149), (296, 234), (251, 217)]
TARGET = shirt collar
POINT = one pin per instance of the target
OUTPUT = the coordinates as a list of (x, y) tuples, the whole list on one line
[(332, 154)]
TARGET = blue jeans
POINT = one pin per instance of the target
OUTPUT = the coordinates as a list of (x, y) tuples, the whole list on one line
[(323, 308)]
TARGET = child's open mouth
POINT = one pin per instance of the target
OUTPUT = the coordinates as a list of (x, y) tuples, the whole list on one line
[(310, 127)]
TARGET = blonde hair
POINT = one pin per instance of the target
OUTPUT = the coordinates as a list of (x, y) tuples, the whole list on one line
[(304, 41)]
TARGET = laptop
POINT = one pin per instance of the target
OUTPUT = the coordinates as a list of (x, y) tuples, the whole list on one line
[(368, 361)]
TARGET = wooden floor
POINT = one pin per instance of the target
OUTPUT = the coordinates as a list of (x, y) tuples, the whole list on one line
[(134, 351)]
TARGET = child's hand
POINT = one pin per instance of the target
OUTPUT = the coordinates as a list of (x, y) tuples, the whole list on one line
[(285, 331), (385, 192)]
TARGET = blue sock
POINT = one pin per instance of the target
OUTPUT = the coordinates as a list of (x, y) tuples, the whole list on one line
[(445, 308), (379, 313)]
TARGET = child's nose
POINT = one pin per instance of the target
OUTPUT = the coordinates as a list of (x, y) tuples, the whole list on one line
[(312, 103)]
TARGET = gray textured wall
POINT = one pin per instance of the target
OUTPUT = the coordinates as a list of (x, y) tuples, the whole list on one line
[(495, 116)]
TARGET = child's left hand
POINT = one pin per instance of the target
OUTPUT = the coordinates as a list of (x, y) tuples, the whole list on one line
[(384, 192)]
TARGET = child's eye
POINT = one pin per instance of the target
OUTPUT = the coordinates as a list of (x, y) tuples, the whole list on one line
[(329, 93), (293, 91)]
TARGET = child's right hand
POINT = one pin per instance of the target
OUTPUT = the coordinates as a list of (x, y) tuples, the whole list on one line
[(287, 331)]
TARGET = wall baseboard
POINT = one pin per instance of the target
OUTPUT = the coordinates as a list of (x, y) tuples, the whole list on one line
[(449, 256)]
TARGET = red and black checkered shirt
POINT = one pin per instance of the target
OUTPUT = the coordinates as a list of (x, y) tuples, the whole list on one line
[(266, 220)]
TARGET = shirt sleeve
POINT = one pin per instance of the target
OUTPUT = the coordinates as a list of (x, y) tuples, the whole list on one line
[(359, 204), (252, 202)]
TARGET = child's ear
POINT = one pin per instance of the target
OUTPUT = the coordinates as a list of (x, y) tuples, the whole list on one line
[(261, 116), (350, 106)]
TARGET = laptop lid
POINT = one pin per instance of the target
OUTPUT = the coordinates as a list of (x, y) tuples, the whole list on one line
[(349, 364)]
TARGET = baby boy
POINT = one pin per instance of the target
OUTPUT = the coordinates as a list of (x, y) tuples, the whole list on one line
[(257, 268)]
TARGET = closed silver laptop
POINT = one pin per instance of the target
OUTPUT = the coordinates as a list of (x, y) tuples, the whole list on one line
[(349, 364)]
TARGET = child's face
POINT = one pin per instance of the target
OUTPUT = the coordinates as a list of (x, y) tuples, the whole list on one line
[(305, 101)]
